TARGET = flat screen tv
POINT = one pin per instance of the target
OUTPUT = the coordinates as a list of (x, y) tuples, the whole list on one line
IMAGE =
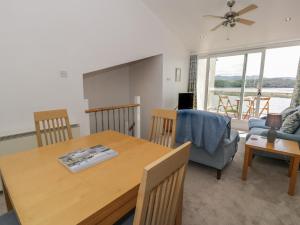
[(185, 100)]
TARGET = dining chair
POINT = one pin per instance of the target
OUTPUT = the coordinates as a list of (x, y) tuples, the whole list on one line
[(9, 218), (163, 127), (52, 126), (160, 193)]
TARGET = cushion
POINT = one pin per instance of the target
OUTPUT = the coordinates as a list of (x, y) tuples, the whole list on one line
[(291, 123), (297, 132), (127, 219), (9, 218), (257, 123), (288, 111)]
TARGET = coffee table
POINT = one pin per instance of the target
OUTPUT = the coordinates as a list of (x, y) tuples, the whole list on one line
[(282, 147)]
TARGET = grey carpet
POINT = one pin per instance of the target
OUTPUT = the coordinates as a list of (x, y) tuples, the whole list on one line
[(261, 200)]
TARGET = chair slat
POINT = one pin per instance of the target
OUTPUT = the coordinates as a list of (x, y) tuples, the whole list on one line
[(63, 128), (156, 206), (50, 131), (54, 130), (166, 200), (170, 203), (150, 207), (45, 131), (59, 129), (162, 203)]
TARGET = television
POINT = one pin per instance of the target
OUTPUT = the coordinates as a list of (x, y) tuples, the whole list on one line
[(185, 101)]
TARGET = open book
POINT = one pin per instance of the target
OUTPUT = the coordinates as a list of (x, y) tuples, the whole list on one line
[(84, 158)]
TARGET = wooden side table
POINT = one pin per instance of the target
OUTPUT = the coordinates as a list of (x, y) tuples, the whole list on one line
[(281, 146)]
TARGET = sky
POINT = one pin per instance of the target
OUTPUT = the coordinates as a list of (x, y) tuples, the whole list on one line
[(280, 62)]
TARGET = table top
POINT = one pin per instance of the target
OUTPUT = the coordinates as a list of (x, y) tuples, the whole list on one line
[(280, 146), (43, 191)]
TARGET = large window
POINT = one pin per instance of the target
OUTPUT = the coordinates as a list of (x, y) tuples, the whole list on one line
[(280, 76), (225, 83), (250, 84)]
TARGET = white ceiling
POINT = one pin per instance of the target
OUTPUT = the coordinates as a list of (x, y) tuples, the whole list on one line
[(185, 19)]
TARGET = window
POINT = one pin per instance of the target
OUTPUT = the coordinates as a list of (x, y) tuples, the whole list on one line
[(249, 84)]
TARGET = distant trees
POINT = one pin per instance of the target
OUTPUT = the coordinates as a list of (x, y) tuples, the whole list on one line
[(252, 83), (228, 83)]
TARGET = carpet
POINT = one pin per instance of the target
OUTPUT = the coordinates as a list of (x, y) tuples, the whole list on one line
[(261, 200)]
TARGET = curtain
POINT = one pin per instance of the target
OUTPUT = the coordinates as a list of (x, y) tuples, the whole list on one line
[(296, 94), (192, 85)]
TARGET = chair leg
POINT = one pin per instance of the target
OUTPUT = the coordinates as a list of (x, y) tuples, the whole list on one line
[(219, 174)]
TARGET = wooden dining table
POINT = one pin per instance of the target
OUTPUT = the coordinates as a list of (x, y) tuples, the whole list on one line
[(43, 192)]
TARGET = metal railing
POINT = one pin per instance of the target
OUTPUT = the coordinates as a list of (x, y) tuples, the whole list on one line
[(121, 118)]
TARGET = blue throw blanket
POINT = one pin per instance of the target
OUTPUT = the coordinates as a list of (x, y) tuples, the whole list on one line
[(204, 129)]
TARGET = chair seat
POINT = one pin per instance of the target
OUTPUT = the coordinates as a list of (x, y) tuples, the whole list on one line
[(9, 218), (126, 220)]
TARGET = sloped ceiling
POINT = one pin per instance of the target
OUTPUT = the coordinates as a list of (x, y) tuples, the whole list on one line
[(185, 19)]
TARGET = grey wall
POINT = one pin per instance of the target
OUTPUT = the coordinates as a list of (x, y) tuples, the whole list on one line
[(118, 85), (107, 87), (146, 81)]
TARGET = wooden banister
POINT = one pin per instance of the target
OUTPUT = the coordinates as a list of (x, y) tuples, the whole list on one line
[(93, 110), (121, 118)]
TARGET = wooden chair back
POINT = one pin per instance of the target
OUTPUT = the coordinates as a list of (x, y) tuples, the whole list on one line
[(161, 188), (52, 126), (163, 128), (265, 102), (228, 107)]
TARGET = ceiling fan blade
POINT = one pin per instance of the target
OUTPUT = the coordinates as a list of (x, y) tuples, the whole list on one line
[(245, 21), (211, 16), (216, 27), (247, 9)]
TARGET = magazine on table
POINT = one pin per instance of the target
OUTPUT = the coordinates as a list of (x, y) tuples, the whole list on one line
[(84, 158)]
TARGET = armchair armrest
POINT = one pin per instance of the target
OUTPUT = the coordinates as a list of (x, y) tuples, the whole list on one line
[(234, 135)]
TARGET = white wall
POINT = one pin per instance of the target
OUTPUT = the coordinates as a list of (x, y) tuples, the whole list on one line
[(146, 82), (41, 38), (25, 142), (174, 58)]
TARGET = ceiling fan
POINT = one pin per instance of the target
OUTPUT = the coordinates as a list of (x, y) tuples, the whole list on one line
[(232, 17)]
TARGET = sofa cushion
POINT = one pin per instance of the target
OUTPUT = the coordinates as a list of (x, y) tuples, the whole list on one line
[(288, 111), (257, 123), (297, 131), (291, 123)]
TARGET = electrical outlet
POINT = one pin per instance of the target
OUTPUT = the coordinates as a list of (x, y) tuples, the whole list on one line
[(63, 74)]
